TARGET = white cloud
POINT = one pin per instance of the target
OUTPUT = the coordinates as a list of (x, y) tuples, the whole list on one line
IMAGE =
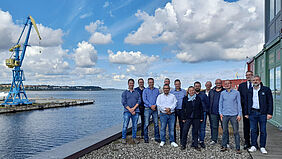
[(137, 64), (85, 55), (106, 4), (204, 30), (97, 30), (130, 58), (86, 15), (10, 32), (117, 77), (100, 38)]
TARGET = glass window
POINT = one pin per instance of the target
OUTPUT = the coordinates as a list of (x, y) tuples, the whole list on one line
[(278, 82), (278, 6), (271, 10), (271, 80), (271, 58)]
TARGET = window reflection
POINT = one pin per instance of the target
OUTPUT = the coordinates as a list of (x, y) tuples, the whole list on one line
[(278, 82)]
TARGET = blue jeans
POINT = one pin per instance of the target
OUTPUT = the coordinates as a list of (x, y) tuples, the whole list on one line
[(134, 120), (202, 130), (235, 126), (148, 112), (169, 120), (257, 118)]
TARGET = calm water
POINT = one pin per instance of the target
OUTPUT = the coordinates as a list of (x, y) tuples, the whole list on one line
[(25, 134)]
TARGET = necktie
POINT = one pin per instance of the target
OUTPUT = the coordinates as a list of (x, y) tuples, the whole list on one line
[(250, 85)]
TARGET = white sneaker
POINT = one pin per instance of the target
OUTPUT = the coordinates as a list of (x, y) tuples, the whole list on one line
[(173, 144), (212, 143), (228, 146), (162, 144), (263, 150), (252, 149)]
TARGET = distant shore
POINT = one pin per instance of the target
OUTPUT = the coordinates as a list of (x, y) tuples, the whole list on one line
[(6, 88)]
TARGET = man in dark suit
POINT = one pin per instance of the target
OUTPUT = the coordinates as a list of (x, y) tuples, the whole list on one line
[(259, 109), (243, 89)]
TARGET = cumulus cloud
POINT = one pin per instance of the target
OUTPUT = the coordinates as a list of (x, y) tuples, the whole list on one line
[(47, 63), (97, 30), (204, 30), (10, 32), (130, 57), (85, 55), (136, 63)]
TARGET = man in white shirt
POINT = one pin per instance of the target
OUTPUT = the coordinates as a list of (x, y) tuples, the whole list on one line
[(166, 103), (259, 109)]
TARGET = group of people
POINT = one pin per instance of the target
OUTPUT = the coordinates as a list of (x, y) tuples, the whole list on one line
[(253, 102)]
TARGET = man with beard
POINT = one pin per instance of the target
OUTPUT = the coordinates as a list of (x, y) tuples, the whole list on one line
[(259, 109), (140, 89), (204, 99)]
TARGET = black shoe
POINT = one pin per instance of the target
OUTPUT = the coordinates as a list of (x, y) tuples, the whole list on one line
[(246, 146), (158, 140), (197, 148), (202, 144), (146, 141), (182, 147)]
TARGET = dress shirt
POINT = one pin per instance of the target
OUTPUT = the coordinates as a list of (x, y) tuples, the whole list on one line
[(166, 101), (256, 98), (179, 96)]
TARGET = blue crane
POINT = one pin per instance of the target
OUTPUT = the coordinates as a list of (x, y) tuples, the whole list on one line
[(17, 95)]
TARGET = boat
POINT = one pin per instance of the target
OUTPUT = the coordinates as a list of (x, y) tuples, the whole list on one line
[(3, 95)]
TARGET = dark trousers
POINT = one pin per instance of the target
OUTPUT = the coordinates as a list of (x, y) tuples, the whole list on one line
[(178, 116), (215, 120), (246, 128), (195, 130), (142, 119)]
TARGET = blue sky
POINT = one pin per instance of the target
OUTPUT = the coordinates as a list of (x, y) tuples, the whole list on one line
[(104, 43)]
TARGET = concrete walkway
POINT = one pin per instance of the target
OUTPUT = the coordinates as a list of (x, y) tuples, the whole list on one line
[(273, 144)]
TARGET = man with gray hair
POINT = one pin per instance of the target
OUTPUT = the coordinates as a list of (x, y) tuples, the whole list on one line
[(214, 96), (166, 81), (259, 109)]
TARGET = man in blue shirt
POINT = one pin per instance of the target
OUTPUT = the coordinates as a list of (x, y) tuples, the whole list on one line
[(204, 99), (130, 100), (140, 89), (179, 94), (230, 110), (150, 95)]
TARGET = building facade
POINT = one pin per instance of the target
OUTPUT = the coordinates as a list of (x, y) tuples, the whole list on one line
[(267, 63)]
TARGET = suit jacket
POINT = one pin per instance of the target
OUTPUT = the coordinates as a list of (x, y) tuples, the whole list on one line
[(243, 89), (205, 101), (192, 109), (265, 101)]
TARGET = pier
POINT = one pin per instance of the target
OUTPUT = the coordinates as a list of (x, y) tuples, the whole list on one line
[(42, 103)]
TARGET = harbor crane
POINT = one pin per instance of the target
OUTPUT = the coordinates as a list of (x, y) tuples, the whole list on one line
[(17, 95)]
